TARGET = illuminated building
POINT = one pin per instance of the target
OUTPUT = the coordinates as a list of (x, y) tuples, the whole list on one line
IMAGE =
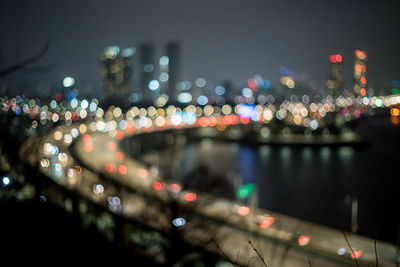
[(335, 81), (173, 54), (116, 70), (360, 71), (146, 61)]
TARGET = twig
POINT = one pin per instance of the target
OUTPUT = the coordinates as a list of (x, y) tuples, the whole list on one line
[(352, 251), (259, 255), (222, 252)]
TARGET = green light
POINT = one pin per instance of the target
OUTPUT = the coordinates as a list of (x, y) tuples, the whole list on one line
[(395, 91), (378, 103), (245, 191)]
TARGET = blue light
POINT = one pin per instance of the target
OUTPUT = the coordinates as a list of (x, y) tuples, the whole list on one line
[(220, 90), (202, 100), (178, 222), (266, 84), (246, 111), (71, 95)]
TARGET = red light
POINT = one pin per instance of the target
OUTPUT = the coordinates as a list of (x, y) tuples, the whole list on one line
[(243, 211), (58, 97), (252, 84), (303, 240), (356, 254), (111, 167), (158, 186), (244, 120), (332, 58), (112, 146), (338, 58), (267, 222), (363, 92), (122, 169), (190, 197), (363, 80), (120, 156)]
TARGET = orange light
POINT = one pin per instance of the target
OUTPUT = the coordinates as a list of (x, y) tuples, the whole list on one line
[(130, 129), (143, 173), (190, 197), (395, 112), (122, 169), (267, 222), (363, 92), (120, 135), (175, 188), (356, 254), (158, 186), (203, 121), (212, 121), (303, 240), (112, 146), (243, 210), (120, 156), (88, 147), (338, 58)]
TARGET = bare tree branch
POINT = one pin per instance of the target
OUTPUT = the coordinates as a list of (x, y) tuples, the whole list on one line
[(27, 61)]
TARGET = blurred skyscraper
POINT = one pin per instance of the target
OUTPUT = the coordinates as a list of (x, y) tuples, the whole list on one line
[(336, 76), (174, 65), (360, 71), (116, 71), (146, 61)]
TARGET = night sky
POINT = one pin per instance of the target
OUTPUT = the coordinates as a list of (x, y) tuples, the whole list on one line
[(224, 39)]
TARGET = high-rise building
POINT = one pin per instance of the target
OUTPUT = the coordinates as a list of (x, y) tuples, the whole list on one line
[(116, 70), (360, 71), (146, 61), (174, 65), (336, 75)]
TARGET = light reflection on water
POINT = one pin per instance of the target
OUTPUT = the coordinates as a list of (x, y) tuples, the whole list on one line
[(309, 182)]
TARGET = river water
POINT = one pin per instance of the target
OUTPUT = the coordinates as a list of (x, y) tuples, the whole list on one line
[(333, 186)]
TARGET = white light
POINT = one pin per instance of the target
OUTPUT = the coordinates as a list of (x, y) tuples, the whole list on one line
[(177, 222), (68, 81), (246, 92), (200, 82), (314, 124), (341, 251), (84, 104), (6, 180), (154, 85), (74, 103), (184, 97), (164, 60)]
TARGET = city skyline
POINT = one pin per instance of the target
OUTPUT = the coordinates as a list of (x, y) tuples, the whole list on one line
[(214, 45)]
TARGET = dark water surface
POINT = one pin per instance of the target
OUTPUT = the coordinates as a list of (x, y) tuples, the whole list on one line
[(315, 184)]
